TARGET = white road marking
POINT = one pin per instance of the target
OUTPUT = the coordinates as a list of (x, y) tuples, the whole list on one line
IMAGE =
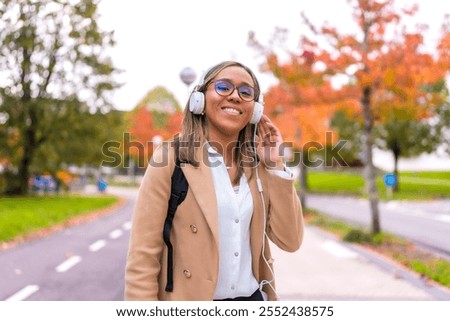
[(425, 214), (24, 293), (94, 247), (115, 234), (392, 205), (338, 250), (68, 264), (443, 218), (127, 226)]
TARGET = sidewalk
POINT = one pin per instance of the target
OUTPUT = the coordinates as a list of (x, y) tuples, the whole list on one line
[(327, 269)]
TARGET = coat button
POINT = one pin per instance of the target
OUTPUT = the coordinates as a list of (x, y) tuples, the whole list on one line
[(193, 228), (187, 273)]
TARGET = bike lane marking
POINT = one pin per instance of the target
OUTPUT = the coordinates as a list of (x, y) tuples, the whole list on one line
[(96, 246), (68, 264), (23, 293), (115, 234), (126, 226)]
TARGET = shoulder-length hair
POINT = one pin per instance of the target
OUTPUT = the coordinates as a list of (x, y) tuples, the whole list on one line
[(194, 131)]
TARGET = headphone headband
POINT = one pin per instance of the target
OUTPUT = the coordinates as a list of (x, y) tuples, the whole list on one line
[(201, 80)]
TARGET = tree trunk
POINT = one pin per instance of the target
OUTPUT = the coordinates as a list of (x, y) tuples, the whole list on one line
[(17, 183), (369, 169), (396, 152), (24, 171), (303, 180), (20, 186)]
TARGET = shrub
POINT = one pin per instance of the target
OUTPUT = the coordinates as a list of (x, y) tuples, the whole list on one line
[(358, 236)]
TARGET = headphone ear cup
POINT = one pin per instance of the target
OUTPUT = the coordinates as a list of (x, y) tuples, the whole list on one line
[(197, 102), (258, 110)]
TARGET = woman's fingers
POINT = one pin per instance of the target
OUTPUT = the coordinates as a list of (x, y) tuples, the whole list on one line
[(269, 141), (269, 132)]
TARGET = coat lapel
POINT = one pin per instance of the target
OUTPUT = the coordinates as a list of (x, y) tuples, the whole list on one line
[(257, 223), (202, 186)]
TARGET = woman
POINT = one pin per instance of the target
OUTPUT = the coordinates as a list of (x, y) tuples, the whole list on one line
[(235, 201)]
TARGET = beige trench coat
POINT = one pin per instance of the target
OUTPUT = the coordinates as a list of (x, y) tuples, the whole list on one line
[(195, 235)]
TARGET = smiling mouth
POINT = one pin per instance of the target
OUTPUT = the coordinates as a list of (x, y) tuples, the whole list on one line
[(232, 111)]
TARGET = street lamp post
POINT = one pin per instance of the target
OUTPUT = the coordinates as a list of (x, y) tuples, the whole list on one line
[(188, 76)]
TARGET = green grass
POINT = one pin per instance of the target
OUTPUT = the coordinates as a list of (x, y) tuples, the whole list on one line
[(401, 250), (336, 182), (22, 215), (413, 185), (438, 270), (428, 174)]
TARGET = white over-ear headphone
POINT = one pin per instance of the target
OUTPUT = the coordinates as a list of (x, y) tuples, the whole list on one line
[(197, 102)]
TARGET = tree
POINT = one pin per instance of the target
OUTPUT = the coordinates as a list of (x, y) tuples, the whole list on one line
[(156, 117), (346, 51), (444, 126), (57, 79), (376, 74), (383, 72), (409, 93), (92, 133)]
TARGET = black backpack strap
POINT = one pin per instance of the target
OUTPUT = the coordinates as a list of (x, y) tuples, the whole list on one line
[(177, 196)]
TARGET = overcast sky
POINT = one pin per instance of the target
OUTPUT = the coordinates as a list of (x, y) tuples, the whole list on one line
[(157, 39)]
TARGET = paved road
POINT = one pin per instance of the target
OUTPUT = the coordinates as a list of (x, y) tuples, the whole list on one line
[(84, 262), (87, 262), (427, 222)]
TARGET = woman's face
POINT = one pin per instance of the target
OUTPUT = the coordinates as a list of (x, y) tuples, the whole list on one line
[(227, 115)]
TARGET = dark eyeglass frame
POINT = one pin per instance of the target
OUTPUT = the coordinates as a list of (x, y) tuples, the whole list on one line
[(239, 88)]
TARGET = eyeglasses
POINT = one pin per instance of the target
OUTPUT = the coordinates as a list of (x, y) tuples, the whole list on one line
[(225, 88)]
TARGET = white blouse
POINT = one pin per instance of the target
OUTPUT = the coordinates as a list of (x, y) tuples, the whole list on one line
[(235, 208)]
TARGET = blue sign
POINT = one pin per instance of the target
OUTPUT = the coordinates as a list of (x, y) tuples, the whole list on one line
[(102, 185), (390, 179)]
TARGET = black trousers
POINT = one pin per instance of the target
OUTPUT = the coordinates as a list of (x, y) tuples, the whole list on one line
[(256, 296)]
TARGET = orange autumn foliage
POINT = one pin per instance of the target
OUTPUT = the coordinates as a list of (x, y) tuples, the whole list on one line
[(381, 56), (303, 101), (396, 69), (143, 130)]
